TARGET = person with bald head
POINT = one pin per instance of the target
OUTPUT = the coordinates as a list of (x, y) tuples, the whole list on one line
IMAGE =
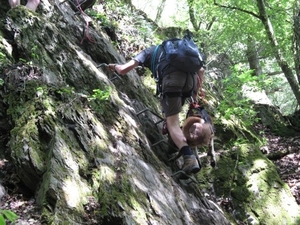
[(31, 4)]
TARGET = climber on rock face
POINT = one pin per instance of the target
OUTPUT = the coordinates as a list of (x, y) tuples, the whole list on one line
[(31, 4)]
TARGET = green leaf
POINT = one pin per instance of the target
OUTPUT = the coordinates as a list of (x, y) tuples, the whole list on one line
[(2, 221), (11, 216)]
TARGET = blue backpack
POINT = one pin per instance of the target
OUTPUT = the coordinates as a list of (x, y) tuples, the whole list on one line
[(183, 54)]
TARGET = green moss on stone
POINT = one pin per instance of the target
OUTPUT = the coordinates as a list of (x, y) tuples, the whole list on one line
[(252, 182)]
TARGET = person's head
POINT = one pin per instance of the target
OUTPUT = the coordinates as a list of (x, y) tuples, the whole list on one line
[(196, 131)]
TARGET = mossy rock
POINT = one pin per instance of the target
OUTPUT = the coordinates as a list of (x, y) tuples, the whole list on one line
[(253, 185)]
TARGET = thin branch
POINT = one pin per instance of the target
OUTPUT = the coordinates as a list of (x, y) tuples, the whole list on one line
[(236, 8)]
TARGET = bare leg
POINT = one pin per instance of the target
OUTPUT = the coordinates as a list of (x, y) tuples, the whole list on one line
[(175, 131), (190, 164), (32, 4), (13, 3)]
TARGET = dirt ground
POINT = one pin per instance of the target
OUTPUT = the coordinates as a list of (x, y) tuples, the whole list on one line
[(284, 152)]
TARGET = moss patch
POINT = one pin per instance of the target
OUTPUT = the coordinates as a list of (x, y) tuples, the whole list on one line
[(253, 184)]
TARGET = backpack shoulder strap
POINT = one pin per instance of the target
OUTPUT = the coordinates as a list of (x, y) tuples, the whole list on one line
[(153, 60)]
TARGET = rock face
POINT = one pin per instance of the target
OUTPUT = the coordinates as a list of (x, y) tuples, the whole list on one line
[(75, 137), (80, 140)]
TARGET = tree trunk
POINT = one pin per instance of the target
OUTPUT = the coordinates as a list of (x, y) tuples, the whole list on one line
[(297, 41), (252, 56), (192, 15), (160, 9), (278, 55)]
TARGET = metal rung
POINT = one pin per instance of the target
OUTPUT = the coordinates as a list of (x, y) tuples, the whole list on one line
[(144, 110), (106, 65), (156, 143), (161, 120), (181, 172), (154, 113), (115, 77)]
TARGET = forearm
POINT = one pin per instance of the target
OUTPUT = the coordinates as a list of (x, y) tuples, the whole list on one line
[(124, 68)]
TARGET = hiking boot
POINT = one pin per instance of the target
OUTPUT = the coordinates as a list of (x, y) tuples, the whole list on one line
[(190, 164)]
